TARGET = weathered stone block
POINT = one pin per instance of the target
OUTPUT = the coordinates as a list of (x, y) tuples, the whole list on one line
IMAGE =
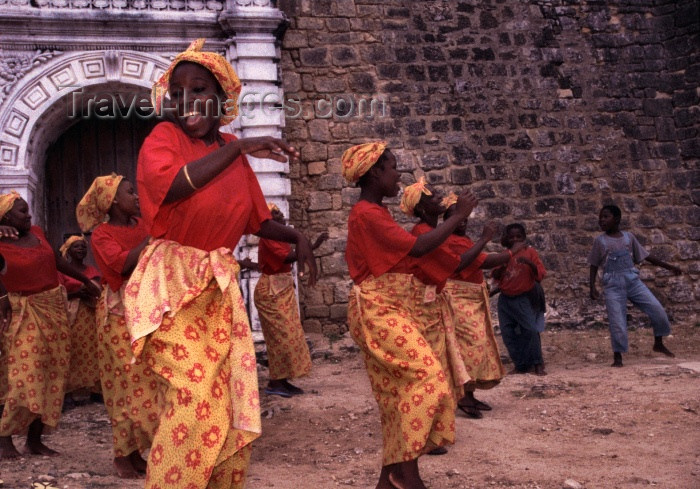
[(312, 326), (314, 56), (319, 201), (331, 182), (339, 311), (334, 265), (316, 168), (318, 130), (320, 311), (314, 152)]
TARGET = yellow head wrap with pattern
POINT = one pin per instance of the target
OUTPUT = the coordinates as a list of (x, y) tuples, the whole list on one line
[(357, 160), (94, 206), (7, 201), (63, 250), (450, 200), (216, 64), (411, 196)]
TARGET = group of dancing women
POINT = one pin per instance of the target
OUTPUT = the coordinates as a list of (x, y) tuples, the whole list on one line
[(176, 360)]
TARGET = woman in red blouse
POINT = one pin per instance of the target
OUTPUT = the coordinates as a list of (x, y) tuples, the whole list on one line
[(276, 301), (393, 318), (184, 309), (35, 338)]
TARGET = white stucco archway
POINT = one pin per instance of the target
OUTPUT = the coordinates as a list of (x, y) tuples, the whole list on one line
[(41, 108)]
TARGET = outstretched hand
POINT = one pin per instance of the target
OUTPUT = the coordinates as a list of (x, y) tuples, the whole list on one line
[(267, 147), (9, 232), (466, 202), (305, 257), (92, 289)]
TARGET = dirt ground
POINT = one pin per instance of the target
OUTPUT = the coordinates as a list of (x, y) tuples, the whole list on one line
[(583, 425)]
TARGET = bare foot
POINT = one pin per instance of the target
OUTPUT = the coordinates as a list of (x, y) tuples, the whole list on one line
[(617, 360), (539, 369), (404, 475), (36, 447), (662, 349), (7, 448), (137, 462), (124, 468)]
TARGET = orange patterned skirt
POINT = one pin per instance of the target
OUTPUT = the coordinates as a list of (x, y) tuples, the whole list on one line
[(399, 328), (474, 331), (130, 390), (35, 353), (287, 351), (84, 371), (192, 330)]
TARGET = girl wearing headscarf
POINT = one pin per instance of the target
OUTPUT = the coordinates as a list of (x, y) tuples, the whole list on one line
[(80, 306), (392, 317), (420, 200), (468, 296), (110, 209), (276, 301), (34, 342), (184, 309)]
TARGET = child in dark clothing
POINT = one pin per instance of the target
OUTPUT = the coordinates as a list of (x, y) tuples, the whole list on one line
[(617, 252)]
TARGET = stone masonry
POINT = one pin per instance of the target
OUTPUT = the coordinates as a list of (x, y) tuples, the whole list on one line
[(546, 109)]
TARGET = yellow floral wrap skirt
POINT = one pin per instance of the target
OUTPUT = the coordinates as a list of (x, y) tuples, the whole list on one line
[(276, 301), (187, 319), (84, 371), (398, 323), (474, 331), (34, 359), (131, 390)]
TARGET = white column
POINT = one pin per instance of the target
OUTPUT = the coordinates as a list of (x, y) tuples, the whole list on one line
[(254, 52)]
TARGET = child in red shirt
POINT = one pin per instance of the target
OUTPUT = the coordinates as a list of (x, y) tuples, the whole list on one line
[(521, 303)]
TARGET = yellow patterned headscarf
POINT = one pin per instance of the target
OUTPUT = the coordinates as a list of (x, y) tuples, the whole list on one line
[(273, 207), (63, 250), (7, 201), (94, 206), (359, 159), (450, 200), (411, 196), (216, 64)]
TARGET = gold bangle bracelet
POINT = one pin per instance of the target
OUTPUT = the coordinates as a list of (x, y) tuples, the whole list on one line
[(187, 176)]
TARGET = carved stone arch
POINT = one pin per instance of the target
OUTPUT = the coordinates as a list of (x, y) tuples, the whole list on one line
[(41, 107)]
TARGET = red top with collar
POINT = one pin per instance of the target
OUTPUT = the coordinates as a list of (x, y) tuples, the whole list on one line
[(214, 216)]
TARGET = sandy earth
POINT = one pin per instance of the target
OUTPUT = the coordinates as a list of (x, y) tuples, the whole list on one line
[(583, 425)]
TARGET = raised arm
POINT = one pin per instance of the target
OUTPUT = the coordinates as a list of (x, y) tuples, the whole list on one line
[(431, 240), (69, 269), (196, 174), (132, 258), (660, 263)]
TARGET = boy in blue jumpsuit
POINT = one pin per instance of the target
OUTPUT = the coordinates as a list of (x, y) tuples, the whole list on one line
[(618, 252)]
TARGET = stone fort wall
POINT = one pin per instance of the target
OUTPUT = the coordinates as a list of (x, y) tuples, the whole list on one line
[(546, 109)]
